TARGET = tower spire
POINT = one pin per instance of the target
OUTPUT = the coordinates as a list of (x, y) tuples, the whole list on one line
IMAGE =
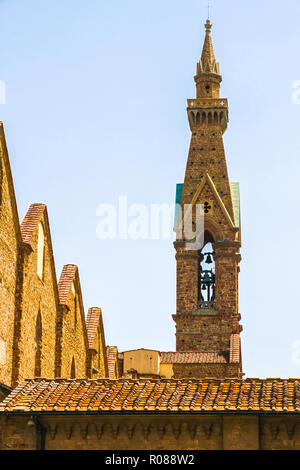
[(207, 63)]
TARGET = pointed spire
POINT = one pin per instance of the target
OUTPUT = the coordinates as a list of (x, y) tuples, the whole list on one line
[(207, 63)]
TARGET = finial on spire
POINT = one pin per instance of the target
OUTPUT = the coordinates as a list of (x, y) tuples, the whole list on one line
[(208, 9), (208, 26)]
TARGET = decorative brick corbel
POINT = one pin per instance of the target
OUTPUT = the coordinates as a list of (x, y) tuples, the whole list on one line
[(161, 430), (68, 431), (177, 430), (290, 430), (115, 430), (99, 431), (192, 430), (146, 429), (274, 430), (130, 429), (52, 430), (84, 430), (208, 429)]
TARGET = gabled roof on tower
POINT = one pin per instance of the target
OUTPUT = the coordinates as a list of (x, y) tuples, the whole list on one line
[(206, 180)]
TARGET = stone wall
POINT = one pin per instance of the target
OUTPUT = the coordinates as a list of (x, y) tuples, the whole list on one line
[(72, 345), (203, 333), (39, 297), (200, 371), (10, 240)]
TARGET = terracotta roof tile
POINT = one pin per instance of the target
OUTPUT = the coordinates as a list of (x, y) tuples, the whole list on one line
[(92, 323), (184, 395), (31, 220), (65, 281), (192, 357)]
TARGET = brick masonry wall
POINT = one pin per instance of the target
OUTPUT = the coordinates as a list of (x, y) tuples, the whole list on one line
[(38, 295), (73, 338), (173, 432), (207, 155), (98, 357), (204, 333), (206, 370), (9, 246)]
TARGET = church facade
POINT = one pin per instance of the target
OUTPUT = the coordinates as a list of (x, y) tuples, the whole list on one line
[(61, 387)]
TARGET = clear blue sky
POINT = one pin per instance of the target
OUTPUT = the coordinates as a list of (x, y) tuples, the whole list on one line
[(96, 98)]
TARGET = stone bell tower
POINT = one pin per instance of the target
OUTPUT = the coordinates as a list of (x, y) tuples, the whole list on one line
[(207, 312)]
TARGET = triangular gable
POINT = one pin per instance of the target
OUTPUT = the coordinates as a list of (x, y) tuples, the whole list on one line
[(70, 275), (207, 180), (94, 323), (38, 212)]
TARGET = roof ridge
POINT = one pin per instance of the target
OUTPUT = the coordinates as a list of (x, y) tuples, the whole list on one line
[(92, 321), (31, 220), (67, 276)]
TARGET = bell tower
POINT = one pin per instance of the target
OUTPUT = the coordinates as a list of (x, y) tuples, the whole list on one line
[(207, 310)]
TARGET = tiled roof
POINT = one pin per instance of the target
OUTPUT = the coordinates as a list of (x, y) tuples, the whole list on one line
[(65, 281), (92, 323), (192, 357), (164, 395), (112, 360), (31, 220)]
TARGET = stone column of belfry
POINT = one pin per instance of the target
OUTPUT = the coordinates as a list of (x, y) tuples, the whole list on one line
[(207, 184)]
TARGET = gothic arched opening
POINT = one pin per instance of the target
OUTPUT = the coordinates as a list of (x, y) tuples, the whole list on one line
[(73, 369), (38, 346), (206, 286)]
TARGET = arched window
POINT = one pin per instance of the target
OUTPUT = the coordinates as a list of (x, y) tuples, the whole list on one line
[(207, 277), (73, 369), (38, 346), (40, 251)]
